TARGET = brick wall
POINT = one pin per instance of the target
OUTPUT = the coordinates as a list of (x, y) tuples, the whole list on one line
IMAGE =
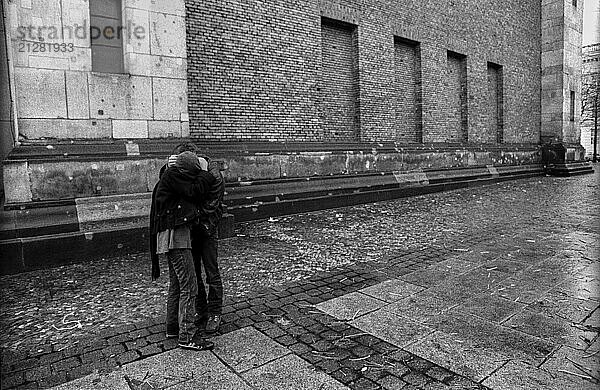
[(253, 69), (339, 81), (256, 69)]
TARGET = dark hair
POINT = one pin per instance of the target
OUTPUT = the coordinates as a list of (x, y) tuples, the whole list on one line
[(189, 147), (186, 147)]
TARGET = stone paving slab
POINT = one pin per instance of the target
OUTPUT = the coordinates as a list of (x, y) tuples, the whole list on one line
[(505, 341), (462, 287), (593, 320), (557, 331), (508, 265), (586, 287), (174, 369), (560, 305), (246, 348), (421, 307), (429, 276), (523, 288), (290, 373), (391, 290), (394, 329), (490, 307), (521, 376), (457, 355), (576, 361), (350, 306)]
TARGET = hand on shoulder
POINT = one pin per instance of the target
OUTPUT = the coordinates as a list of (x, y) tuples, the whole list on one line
[(172, 160)]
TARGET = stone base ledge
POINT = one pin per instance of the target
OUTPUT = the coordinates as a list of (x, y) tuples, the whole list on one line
[(73, 171), (570, 169), (97, 227), (54, 149)]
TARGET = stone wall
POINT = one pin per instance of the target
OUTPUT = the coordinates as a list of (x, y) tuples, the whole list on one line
[(561, 70), (258, 69), (58, 95), (6, 129)]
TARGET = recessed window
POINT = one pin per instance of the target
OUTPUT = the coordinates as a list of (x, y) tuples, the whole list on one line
[(496, 101), (106, 34), (339, 87), (456, 95), (407, 91)]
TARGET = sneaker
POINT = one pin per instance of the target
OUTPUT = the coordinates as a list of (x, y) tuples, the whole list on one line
[(198, 344), (212, 325)]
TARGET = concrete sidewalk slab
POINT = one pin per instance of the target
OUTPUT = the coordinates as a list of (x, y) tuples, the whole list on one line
[(290, 373)]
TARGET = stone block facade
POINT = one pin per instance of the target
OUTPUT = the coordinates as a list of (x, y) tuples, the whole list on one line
[(299, 71), (60, 96), (561, 71)]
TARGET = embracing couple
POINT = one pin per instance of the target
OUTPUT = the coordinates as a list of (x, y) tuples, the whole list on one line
[(184, 219)]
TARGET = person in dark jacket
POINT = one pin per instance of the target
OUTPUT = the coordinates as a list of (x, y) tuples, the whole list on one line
[(205, 247), (174, 212)]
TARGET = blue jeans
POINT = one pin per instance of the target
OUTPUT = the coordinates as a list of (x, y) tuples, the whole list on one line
[(183, 290)]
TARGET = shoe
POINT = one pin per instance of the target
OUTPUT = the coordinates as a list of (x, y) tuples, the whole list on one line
[(198, 344), (212, 325), (172, 332)]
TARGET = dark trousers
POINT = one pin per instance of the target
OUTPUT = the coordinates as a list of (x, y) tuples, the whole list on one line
[(204, 251)]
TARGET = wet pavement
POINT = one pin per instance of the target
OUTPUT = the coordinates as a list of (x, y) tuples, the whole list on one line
[(494, 286)]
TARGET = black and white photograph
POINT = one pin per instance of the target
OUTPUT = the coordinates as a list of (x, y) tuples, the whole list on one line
[(299, 194)]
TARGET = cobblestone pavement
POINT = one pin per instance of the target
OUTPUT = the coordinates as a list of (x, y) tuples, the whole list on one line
[(517, 257)]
